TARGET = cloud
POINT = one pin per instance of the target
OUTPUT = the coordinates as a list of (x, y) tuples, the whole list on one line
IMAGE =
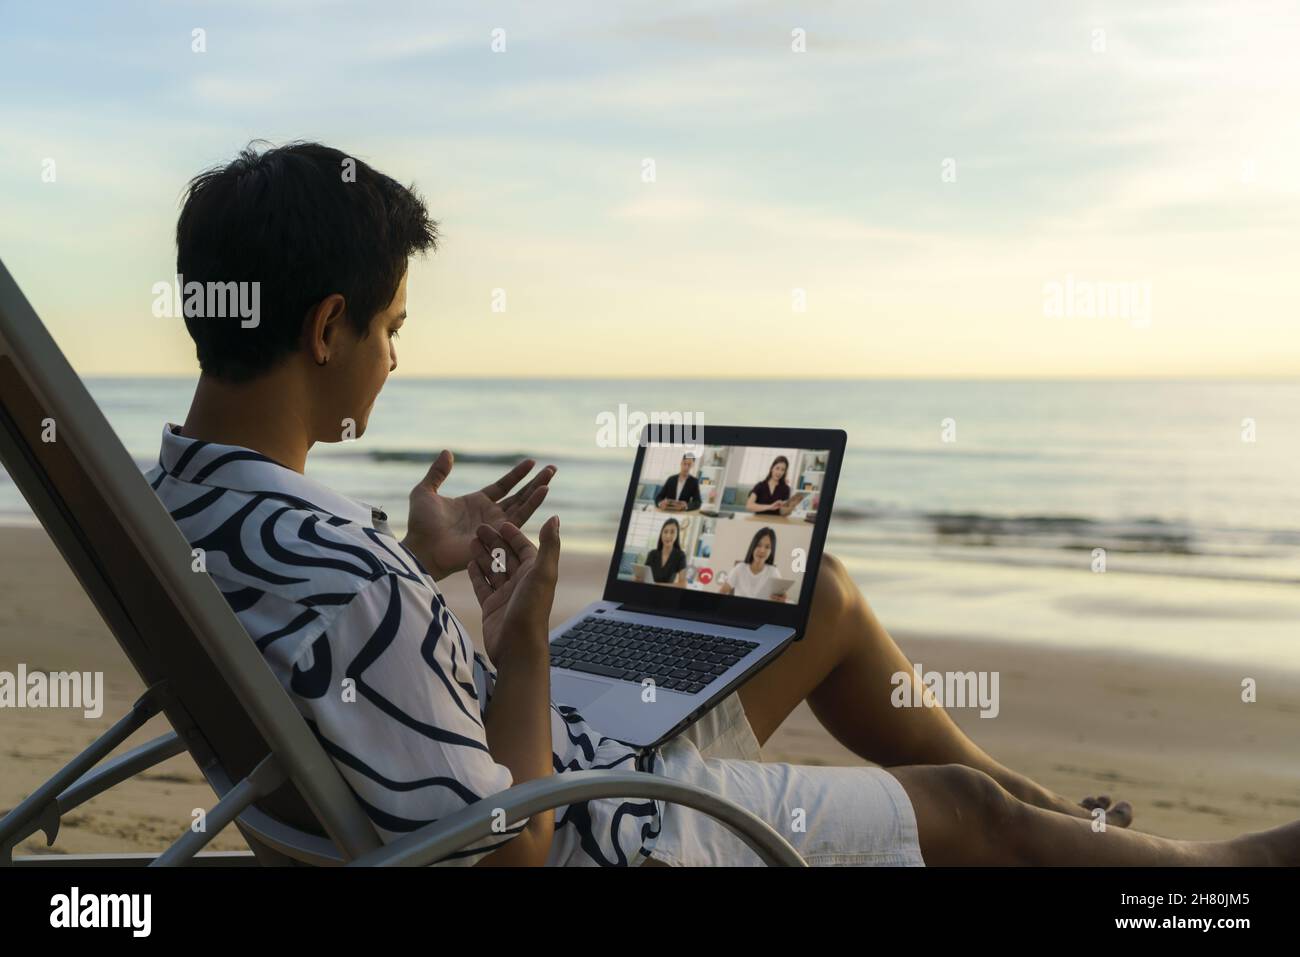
[(1168, 155)]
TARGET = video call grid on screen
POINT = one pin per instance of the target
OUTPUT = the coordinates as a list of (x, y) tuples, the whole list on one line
[(724, 519)]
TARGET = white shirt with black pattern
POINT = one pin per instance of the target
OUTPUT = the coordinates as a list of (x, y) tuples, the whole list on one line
[(374, 660)]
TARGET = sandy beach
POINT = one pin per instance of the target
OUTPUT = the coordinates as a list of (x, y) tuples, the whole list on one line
[(1174, 738)]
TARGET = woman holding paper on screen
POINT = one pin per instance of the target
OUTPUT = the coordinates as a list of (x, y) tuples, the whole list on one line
[(754, 576)]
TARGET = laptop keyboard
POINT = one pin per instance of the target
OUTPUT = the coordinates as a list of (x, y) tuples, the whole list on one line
[(684, 661)]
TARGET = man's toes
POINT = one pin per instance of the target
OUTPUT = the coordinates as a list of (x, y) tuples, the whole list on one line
[(1121, 815)]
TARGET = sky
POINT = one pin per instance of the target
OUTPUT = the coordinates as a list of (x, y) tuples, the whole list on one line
[(839, 189)]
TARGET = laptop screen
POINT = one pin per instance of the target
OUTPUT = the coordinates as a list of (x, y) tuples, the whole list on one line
[(725, 525)]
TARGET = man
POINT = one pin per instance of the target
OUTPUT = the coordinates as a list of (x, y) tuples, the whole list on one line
[(680, 492), (420, 723)]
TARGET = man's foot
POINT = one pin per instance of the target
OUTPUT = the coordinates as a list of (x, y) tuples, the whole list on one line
[(1119, 814)]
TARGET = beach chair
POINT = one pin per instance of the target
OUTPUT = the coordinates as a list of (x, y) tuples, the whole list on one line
[(271, 777)]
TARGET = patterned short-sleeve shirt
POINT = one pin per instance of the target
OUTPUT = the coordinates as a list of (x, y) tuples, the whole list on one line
[(374, 660)]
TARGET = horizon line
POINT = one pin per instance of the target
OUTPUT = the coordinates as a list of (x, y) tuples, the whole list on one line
[(812, 377)]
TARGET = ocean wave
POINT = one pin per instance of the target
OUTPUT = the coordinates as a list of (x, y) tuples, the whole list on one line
[(426, 456), (464, 458), (1038, 560), (1076, 531), (1126, 535)]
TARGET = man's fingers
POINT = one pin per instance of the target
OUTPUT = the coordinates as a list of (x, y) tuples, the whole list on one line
[(487, 536), (489, 598), (493, 555), (439, 470), (539, 480), (508, 542), (508, 481), (482, 588), (549, 554), (519, 506), (521, 509), (518, 541), (481, 558)]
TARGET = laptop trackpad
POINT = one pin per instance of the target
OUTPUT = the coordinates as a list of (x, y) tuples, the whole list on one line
[(576, 692)]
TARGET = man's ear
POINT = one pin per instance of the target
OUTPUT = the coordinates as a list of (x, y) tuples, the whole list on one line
[(321, 327)]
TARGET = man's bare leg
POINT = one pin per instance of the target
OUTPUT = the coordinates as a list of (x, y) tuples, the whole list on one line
[(844, 666), (964, 817)]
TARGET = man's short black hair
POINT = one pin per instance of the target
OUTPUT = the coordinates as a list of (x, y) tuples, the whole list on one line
[(304, 221)]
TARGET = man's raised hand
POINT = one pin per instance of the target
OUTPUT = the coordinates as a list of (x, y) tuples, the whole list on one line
[(514, 583), (441, 530)]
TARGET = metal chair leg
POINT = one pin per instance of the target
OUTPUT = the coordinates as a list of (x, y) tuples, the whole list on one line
[(263, 779), (40, 811)]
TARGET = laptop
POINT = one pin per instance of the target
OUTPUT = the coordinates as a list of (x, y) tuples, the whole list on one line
[(648, 660)]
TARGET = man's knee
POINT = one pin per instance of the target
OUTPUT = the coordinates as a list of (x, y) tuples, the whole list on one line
[(984, 814), (970, 788), (836, 590), (962, 815)]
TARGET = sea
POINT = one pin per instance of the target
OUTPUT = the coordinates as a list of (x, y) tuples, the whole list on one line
[(1155, 517)]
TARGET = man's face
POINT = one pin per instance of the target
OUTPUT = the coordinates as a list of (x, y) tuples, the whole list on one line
[(364, 366)]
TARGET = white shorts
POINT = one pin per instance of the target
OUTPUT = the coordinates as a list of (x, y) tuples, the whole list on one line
[(833, 816)]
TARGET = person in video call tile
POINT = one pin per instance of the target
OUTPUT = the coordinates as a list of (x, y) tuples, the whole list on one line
[(680, 492), (668, 561), (750, 578), (771, 496)]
